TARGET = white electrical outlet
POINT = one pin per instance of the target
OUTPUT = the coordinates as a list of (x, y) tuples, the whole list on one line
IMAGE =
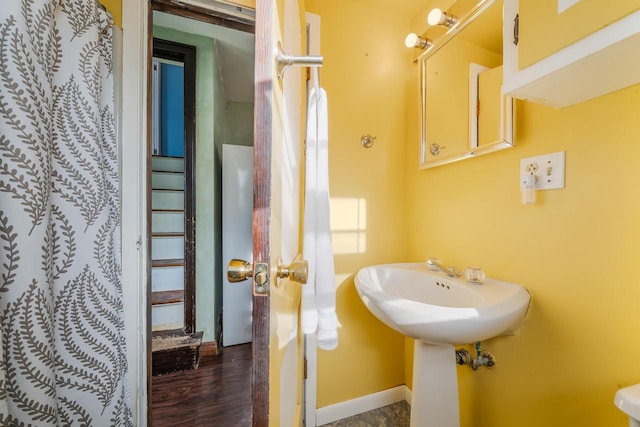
[(547, 168)]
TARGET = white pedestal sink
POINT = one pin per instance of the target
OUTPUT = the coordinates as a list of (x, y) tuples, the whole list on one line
[(434, 398), (439, 312)]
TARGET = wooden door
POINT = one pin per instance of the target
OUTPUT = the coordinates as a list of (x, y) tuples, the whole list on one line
[(277, 343)]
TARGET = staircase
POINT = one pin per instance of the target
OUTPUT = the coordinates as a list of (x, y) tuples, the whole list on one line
[(172, 349), (167, 243)]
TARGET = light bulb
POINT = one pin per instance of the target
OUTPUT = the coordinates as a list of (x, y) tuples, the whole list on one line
[(414, 40), (438, 17), (435, 17)]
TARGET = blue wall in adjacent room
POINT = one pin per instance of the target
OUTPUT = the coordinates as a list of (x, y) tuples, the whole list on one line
[(172, 111)]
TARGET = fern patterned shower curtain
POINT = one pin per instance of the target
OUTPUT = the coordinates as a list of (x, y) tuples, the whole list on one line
[(62, 349)]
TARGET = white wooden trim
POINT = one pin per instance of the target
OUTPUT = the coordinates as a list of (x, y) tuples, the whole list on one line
[(133, 155), (408, 394), (349, 408), (311, 381)]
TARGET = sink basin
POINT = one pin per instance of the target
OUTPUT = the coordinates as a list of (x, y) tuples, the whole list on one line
[(430, 306), (439, 312)]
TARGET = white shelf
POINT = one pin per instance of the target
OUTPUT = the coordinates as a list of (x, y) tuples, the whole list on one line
[(603, 62)]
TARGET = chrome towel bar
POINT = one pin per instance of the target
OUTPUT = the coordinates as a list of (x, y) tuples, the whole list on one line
[(284, 61)]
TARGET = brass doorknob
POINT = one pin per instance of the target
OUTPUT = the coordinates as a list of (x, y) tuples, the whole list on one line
[(297, 271), (239, 270)]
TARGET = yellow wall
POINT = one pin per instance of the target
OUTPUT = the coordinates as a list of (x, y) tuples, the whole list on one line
[(115, 7), (364, 74), (576, 250)]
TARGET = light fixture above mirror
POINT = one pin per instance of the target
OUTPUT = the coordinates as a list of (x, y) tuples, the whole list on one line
[(414, 40), (438, 17)]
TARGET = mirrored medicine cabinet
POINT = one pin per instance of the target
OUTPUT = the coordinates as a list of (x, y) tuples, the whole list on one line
[(463, 112)]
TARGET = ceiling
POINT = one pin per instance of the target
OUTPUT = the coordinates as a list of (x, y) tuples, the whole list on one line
[(235, 52)]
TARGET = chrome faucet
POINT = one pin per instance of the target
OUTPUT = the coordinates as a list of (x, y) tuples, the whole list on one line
[(434, 264)]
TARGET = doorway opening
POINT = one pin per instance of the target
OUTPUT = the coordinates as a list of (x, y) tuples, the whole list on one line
[(221, 41), (173, 246)]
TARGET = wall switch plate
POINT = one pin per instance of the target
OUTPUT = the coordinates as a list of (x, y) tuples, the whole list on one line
[(548, 169)]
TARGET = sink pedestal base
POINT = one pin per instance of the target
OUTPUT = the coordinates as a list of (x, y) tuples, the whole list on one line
[(434, 401)]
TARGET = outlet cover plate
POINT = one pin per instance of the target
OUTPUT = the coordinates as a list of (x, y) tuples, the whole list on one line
[(549, 169)]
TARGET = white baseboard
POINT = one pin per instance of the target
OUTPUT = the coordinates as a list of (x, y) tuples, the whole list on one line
[(356, 406), (407, 394)]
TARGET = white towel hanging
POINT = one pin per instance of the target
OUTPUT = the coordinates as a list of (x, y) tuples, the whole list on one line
[(315, 78), (319, 294), (309, 316)]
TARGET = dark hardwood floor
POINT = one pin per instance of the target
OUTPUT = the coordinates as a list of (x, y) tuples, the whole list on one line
[(218, 393)]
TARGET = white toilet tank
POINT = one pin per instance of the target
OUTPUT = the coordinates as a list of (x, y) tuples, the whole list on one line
[(628, 401)]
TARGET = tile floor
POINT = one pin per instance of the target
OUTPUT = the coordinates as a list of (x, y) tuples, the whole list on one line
[(396, 415)]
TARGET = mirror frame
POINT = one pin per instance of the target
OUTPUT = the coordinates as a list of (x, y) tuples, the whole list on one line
[(507, 104)]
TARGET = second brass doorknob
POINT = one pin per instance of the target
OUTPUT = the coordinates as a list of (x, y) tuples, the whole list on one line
[(297, 271)]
